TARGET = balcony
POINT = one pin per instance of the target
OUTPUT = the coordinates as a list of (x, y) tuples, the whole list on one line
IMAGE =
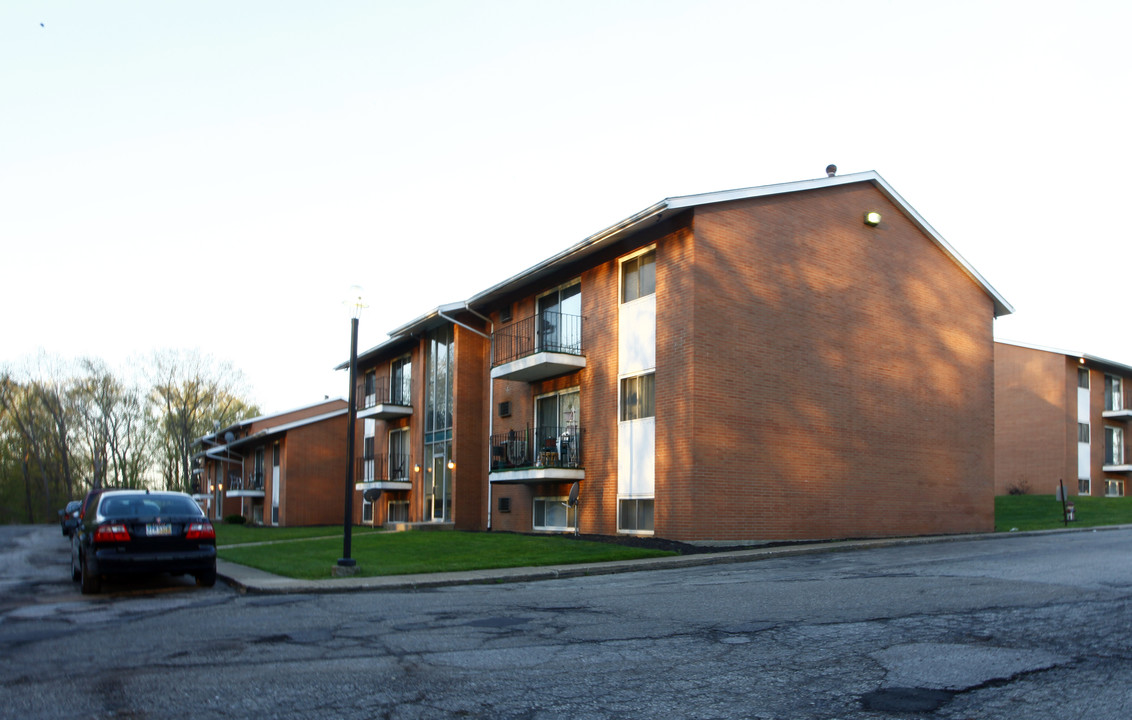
[(534, 455), (383, 472), (539, 347), (381, 401), (250, 486)]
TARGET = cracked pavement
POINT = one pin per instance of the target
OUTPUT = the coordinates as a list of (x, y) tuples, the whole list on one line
[(1033, 626)]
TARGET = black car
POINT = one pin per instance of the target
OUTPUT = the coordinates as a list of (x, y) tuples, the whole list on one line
[(69, 517), (138, 531)]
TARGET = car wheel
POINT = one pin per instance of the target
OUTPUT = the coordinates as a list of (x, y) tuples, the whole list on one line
[(206, 578), (76, 573), (91, 583)]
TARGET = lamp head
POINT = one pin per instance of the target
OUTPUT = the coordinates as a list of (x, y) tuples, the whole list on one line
[(354, 302)]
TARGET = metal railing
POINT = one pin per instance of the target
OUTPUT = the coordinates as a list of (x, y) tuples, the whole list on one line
[(381, 394), (253, 481), (542, 447), (395, 467), (545, 332)]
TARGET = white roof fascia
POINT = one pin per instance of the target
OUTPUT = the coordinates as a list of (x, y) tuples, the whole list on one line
[(595, 239), (1069, 353)]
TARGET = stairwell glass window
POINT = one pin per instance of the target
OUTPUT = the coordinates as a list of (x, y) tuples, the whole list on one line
[(638, 276), (638, 397)]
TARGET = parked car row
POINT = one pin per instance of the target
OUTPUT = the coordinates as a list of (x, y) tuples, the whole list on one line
[(124, 532)]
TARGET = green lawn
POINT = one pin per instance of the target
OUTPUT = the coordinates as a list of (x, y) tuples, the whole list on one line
[(242, 534), (400, 553), (1041, 512)]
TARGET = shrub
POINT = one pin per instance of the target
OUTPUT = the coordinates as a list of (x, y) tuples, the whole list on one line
[(1019, 487), (235, 519)]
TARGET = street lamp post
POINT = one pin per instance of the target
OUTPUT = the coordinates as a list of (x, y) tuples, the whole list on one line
[(354, 302)]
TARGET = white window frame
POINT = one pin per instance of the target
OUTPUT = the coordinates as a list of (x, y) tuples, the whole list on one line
[(621, 274), (1113, 487), (636, 531), (571, 514)]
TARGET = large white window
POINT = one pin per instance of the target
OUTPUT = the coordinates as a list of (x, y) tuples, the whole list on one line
[(552, 513), (1114, 488)]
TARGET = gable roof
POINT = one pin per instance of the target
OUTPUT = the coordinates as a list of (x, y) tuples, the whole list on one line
[(641, 220)]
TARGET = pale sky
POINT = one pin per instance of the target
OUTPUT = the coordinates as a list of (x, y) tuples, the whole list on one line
[(215, 175)]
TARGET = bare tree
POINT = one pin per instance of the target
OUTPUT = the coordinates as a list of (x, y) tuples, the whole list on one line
[(190, 392)]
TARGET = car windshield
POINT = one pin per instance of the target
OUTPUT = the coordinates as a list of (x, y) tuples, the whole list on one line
[(147, 506)]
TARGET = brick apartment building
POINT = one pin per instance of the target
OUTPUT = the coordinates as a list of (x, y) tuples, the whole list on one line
[(283, 469), (1060, 416), (804, 360)]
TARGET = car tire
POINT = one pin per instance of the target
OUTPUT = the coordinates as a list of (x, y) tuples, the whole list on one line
[(207, 578), (91, 583), (76, 573)]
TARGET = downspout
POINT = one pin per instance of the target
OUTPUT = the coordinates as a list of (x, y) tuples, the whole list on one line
[(490, 396)]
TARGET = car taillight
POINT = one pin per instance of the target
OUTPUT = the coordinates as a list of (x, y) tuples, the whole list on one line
[(111, 533), (200, 531)]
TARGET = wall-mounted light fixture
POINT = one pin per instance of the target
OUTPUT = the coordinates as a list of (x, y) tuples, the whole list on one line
[(416, 468), (451, 464), (872, 218)]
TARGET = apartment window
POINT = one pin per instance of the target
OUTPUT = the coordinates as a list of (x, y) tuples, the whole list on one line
[(1082, 377), (638, 397), (401, 381), (1114, 488), (1083, 432), (1084, 486), (1113, 393), (559, 326), (1113, 446), (398, 511), (638, 276), (367, 512), (399, 454), (635, 515), (552, 513), (257, 479), (370, 381)]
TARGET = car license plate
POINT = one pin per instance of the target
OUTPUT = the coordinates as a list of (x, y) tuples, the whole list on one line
[(153, 530)]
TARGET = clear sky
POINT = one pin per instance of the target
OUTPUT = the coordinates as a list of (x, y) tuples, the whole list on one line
[(215, 175)]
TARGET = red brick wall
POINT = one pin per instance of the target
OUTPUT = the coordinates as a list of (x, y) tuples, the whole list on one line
[(843, 376), (469, 436), (312, 470), (1035, 432)]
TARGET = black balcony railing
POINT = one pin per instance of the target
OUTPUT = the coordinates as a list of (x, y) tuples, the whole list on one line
[(395, 467), (542, 447), (253, 481), (545, 332), (381, 393)]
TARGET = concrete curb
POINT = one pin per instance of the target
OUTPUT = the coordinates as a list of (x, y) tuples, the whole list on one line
[(251, 581)]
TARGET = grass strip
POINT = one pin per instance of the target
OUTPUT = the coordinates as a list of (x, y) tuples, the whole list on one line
[(402, 553), (1043, 512)]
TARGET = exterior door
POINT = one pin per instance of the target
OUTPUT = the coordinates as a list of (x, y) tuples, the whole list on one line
[(436, 490)]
